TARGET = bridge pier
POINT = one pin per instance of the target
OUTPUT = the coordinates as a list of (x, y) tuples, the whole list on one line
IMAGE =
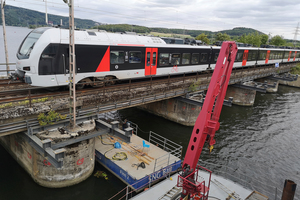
[(78, 163), (174, 110), (291, 83), (241, 96)]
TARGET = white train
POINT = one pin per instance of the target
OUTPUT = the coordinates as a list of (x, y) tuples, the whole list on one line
[(43, 57)]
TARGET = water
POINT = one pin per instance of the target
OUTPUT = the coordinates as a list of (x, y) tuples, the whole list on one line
[(261, 141), (14, 37)]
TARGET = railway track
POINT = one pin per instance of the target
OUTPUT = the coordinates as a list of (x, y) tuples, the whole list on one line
[(30, 93)]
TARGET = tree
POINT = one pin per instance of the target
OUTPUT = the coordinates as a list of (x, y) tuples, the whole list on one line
[(203, 38), (264, 39), (222, 37), (277, 40)]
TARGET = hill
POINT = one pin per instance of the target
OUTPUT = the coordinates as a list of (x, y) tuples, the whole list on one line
[(15, 16)]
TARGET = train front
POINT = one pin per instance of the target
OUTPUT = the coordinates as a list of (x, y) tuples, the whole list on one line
[(29, 54)]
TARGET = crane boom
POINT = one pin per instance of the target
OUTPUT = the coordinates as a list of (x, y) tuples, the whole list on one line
[(207, 122)]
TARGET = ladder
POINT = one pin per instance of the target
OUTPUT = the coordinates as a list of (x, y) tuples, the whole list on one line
[(171, 194), (228, 191)]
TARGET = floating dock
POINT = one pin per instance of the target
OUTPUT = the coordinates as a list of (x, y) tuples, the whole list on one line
[(137, 164)]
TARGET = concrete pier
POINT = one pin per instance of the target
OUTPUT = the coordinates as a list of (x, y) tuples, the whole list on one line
[(292, 83), (174, 110), (241, 97), (78, 161)]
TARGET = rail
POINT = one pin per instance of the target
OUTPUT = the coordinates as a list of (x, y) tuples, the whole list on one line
[(174, 85), (269, 189), (171, 147), (7, 71)]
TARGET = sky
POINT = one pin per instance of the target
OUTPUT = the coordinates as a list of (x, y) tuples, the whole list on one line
[(274, 17)]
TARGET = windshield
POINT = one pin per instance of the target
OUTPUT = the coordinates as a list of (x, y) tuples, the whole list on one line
[(29, 42)]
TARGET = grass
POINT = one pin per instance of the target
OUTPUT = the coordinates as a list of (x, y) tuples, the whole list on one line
[(21, 103), (295, 70)]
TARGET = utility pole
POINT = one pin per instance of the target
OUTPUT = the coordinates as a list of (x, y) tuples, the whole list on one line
[(72, 64), (295, 36), (4, 36), (46, 14)]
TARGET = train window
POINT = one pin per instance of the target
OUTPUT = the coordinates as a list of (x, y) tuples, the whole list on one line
[(117, 57), (135, 57), (163, 59), (50, 51), (195, 58), (262, 56), (239, 57), (186, 58), (91, 33), (148, 58), (154, 58), (175, 59), (203, 57), (216, 56)]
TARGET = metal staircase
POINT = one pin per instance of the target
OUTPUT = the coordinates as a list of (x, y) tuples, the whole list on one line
[(171, 194)]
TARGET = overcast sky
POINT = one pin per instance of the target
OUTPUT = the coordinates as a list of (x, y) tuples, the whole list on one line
[(275, 17)]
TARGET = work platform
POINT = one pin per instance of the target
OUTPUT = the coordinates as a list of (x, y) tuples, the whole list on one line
[(220, 188), (160, 159)]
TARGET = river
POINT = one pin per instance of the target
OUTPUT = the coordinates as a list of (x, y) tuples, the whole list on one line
[(261, 141)]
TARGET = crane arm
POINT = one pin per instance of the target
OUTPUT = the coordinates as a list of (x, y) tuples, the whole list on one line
[(207, 122)]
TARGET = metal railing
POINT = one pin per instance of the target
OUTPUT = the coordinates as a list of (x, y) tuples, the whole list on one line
[(128, 191), (174, 150)]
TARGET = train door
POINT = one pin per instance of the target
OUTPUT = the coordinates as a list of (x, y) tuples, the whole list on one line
[(289, 55), (245, 57), (150, 61), (295, 56), (267, 57)]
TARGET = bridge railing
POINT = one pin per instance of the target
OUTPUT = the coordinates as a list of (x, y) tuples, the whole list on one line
[(3, 71), (170, 147), (153, 89)]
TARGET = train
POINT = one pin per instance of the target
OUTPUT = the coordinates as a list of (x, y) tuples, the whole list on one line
[(43, 57)]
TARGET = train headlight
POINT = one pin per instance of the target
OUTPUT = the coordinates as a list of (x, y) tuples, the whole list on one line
[(26, 68)]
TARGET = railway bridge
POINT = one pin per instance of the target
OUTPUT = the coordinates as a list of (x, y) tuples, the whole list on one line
[(172, 97), (160, 95)]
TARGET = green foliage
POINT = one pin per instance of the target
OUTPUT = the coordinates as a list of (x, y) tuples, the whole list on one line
[(203, 38), (22, 103), (255, 39), (295, 70), (123, 28), (50, 117), (222, 37), (239, 31), (277, 40), (264, 39), (193, 87)]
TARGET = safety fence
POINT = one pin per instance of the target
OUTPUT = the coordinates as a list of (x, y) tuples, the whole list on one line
[(129, 191), (173, 150)]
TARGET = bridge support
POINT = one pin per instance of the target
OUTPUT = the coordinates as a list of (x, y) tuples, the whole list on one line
[(174, 110), (241, 96), (293, 82)]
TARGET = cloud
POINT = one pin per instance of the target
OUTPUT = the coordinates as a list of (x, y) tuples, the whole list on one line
[(269, 16)]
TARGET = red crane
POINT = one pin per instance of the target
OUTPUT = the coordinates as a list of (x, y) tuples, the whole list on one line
[(207, 124)]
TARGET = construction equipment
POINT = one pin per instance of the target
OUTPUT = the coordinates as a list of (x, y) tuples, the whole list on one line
[(206, 125)]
